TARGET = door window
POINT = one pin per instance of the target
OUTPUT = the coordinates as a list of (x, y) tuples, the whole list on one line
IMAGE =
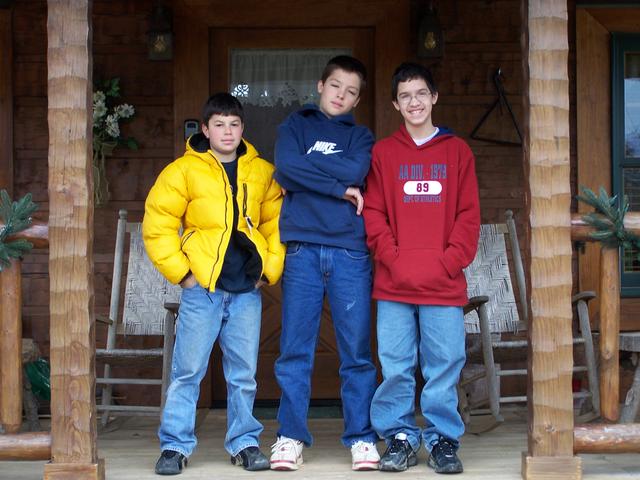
[(271, 84)]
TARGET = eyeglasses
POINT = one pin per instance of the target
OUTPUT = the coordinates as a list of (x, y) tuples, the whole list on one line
[(422, 96)]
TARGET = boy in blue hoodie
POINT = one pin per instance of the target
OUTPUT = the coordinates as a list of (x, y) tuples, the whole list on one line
[(322, 159)]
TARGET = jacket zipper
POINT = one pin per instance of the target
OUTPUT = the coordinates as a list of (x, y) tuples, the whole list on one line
[(226, 225), (244, 209), (250, 225)]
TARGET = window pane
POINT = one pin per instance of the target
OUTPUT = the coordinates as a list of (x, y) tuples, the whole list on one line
[(631, 189), (630, 263), (632, 105)]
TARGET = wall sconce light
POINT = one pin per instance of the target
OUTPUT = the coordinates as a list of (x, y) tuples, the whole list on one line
[(430, 35), (160, 35)]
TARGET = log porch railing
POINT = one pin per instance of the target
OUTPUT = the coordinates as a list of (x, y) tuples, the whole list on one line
[(607, 438), (13, 445)]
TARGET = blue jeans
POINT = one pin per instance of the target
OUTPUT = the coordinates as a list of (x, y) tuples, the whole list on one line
[(234, 319), (310, 272), (434, 336)]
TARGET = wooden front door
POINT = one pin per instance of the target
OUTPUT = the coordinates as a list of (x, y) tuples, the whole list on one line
[(359, 42)]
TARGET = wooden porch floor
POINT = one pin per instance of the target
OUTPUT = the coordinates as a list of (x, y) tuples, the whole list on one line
[(131, 451)]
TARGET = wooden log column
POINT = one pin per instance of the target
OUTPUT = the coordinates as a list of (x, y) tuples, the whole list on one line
[(550, 362), (11, 348), (609, 334), (6, 163), (72, 333)]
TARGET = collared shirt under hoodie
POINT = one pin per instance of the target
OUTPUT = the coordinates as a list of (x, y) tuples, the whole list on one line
[(422, 215), (317, 158)]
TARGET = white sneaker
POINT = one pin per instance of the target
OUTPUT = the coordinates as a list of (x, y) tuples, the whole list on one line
[(364, 456), (286, 454)]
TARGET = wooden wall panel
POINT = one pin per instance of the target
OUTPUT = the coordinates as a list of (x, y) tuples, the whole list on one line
[(473, 53), (119, 50), (6, 101), (593, 109)]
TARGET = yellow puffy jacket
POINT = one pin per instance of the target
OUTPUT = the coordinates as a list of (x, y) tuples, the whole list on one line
[(194, 192)]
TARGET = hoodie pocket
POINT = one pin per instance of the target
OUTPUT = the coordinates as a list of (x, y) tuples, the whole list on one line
[(420, 269)]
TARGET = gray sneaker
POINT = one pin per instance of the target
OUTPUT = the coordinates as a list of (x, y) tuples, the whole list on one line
[(399, 455), (171, 463), (443, 457)]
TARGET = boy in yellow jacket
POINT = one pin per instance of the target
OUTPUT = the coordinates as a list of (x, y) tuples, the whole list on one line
[(225, 199)]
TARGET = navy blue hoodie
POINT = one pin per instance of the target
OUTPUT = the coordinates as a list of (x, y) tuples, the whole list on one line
[(317, 158)]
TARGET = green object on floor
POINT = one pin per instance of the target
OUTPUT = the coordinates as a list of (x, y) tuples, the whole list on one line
[(38, 373)]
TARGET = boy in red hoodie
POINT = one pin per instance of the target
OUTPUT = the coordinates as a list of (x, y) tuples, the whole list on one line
[(422, 217)]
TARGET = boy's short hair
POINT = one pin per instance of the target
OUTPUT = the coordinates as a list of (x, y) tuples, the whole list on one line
[(348, 64), (410, 71), (222, 104)]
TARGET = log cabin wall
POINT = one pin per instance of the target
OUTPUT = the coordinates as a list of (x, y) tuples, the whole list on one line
[(119, 50), (481, 36)]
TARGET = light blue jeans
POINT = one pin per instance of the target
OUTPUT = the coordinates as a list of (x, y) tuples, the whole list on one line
[(234, 319), (434, 337)]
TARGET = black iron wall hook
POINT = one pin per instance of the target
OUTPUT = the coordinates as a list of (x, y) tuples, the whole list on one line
[(503, 102)]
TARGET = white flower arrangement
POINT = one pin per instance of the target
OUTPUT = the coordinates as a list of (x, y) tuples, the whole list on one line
[(107, 134)]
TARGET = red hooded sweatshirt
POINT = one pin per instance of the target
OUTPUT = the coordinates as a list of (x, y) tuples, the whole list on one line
[(422, 217)]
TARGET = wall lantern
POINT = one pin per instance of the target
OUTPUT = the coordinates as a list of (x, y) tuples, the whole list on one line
[(160, 35), (430, 35)]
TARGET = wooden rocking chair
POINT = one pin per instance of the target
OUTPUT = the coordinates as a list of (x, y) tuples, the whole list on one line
[(492, 311), (150, 308)]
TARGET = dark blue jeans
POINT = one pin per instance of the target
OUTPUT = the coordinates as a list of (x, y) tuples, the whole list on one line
[(310, 272)]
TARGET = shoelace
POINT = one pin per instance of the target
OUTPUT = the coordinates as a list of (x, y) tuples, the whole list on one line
[(361, 445), (398, 446), (282, 442), (446, 449)]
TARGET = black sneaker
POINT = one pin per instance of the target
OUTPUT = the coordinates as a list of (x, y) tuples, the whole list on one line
[(252, 459), (443, 458), (170, 463), (398, 457)]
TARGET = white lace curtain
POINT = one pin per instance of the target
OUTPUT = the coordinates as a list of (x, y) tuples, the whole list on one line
[(271, 84), (268, 77)]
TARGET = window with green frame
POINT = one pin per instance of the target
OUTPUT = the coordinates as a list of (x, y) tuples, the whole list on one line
[(625, 111)]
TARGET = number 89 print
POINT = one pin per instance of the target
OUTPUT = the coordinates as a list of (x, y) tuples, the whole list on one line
[(422, 188)]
